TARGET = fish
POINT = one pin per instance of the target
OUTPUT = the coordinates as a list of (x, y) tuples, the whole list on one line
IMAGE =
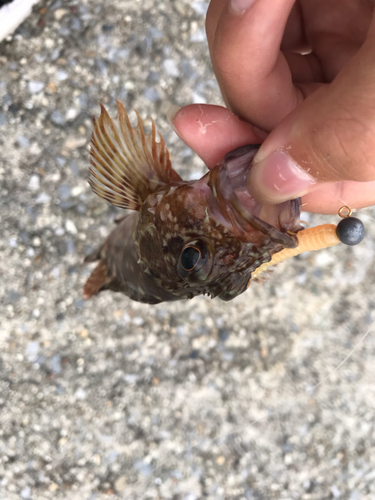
[(178, 238)]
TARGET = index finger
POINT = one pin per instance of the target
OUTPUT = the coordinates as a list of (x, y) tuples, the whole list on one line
[(245, 50), (212, 131)]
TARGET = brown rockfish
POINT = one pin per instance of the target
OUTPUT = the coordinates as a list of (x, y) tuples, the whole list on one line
[(180, 238)]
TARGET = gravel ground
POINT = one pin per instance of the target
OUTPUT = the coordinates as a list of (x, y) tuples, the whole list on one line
[(199, 399)]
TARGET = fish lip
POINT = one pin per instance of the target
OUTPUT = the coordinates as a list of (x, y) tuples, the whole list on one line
[(228, 179), (277, 236)]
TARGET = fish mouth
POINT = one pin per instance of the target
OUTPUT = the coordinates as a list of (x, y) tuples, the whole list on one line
[(228, 183)]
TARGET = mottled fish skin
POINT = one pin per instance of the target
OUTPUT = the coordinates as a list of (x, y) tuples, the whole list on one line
[(181, 238)]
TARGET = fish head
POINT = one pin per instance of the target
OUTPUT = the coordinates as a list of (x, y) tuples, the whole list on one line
[(208, 236)]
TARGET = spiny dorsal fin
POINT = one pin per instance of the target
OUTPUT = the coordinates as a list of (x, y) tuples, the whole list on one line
[(126, 164)]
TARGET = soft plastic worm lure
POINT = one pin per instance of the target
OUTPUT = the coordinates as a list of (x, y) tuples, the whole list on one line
[(349, 231)]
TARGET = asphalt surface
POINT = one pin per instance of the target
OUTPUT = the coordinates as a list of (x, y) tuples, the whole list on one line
[(199, 399)]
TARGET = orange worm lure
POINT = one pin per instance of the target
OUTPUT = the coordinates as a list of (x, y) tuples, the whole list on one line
[(313, 238), (349, 231)]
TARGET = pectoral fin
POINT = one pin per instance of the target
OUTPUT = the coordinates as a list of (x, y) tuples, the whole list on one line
[(98, 280), (126, 164)]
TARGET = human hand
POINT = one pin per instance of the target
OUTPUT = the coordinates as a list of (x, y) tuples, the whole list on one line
[(322, 104)]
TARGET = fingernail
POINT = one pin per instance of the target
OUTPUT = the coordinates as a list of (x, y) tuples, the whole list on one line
[(240, 6), (171, 114), (277, 178)]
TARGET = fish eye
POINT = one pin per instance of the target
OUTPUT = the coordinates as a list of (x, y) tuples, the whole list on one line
[(194, 262), (189, 258)]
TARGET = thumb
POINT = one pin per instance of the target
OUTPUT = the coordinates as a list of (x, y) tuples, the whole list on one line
[(330, 137)]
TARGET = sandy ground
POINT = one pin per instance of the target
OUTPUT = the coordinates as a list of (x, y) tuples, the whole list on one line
[(199, 399)]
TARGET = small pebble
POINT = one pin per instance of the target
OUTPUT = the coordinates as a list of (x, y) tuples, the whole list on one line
[(56, 363), (23, 141), (72, 113), (75, 24), (151, 94), (74, 168), (155, 33), (70, 227), (335, 491), (198, 36), (198, 98), (70, 246), (42, 199), (64, 192), (137, 320), (120, 483), (61, 75), (34, 183), (170, 67), (36, 87), (75, 142), (80, 394), (59, 14), (60, 160), (57, 118), (26, 492), (32, 350)]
